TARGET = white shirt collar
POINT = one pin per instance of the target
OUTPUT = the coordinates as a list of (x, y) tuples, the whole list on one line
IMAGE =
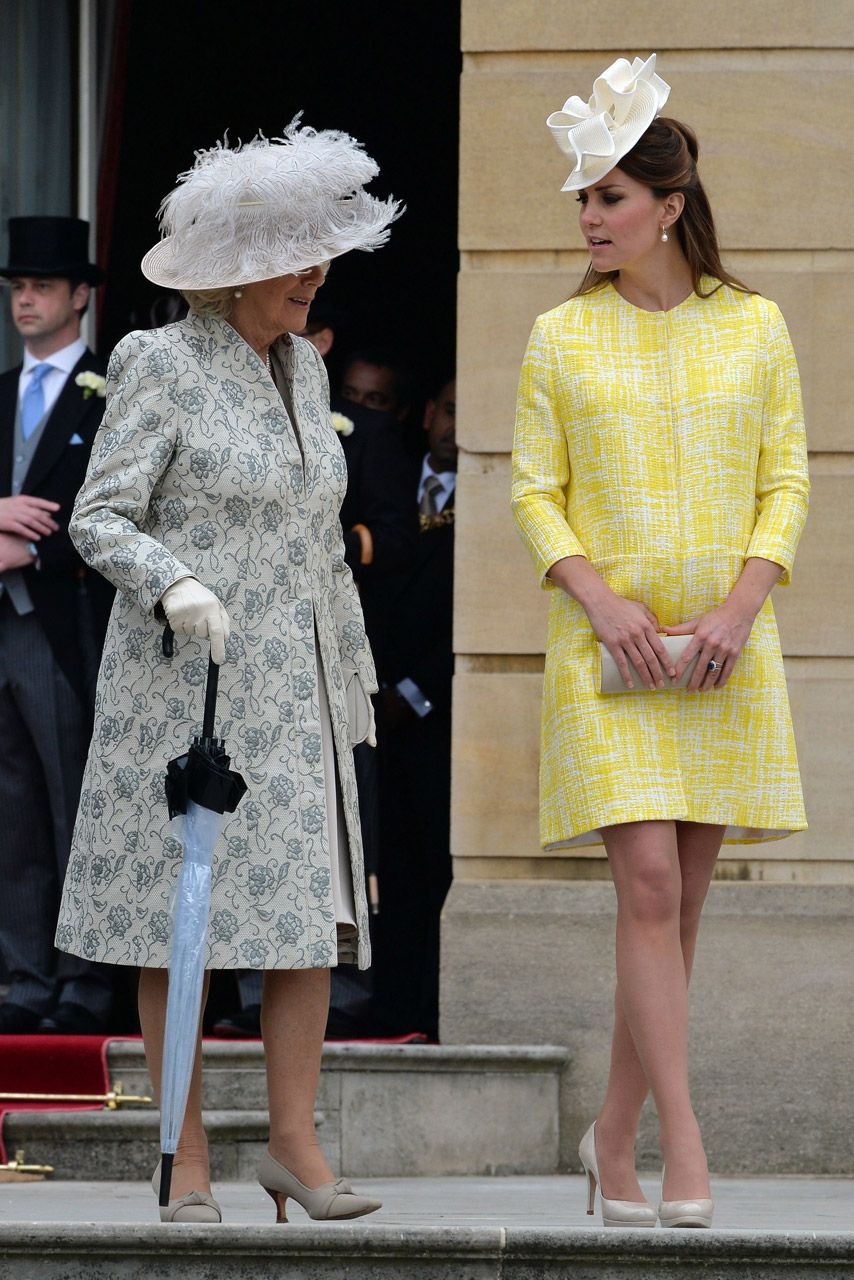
[(65, 359)]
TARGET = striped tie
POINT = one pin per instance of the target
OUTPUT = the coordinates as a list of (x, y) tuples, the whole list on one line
[(432, 489)]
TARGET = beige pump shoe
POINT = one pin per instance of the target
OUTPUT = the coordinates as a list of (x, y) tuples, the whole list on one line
[(190, 1208), (685, 1213), (331, 1200), (615, 1213)]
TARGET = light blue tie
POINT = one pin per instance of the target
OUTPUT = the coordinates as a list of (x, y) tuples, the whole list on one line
[(32, 405)]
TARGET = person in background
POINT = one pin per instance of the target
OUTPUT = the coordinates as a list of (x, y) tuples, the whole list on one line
[(323, 323), (380, 527), (376, 379), (415, 737), (53, 613)]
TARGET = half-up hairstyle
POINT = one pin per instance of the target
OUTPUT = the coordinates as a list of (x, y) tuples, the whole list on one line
[(665, 159)]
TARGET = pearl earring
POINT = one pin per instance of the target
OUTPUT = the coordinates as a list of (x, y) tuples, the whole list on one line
[(238, 293), (664, 236)]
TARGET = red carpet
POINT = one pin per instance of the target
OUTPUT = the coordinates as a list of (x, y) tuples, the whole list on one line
[(52, 1064), (412, 1037)]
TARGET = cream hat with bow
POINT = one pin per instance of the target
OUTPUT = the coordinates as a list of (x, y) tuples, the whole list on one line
[(268, 208), (596, 134)]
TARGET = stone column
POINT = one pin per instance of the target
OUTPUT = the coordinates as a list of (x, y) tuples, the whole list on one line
[(527, 937)]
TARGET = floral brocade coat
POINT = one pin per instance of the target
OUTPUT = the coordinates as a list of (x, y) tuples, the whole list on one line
[(197, 470)]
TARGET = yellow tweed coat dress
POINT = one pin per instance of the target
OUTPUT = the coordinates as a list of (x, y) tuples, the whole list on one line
[(667, 448)]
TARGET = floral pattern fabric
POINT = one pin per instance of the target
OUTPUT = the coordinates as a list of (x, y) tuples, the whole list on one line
[(197, 470)]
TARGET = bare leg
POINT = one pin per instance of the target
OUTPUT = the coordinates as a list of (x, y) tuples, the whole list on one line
[(653, 991), (617, 1123), (191, 1171), (294, 1010)]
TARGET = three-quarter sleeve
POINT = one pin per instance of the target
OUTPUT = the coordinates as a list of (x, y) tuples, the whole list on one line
[(782, 474), (541, 462), (132, 449)]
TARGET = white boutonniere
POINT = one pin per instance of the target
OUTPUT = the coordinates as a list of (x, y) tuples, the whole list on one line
[(342, 424), (92, 383)]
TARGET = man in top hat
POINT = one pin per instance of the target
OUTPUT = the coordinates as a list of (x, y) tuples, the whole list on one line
[(53, 612)]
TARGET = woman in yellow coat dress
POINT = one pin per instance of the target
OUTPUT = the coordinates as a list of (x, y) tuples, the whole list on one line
[(660, 483)]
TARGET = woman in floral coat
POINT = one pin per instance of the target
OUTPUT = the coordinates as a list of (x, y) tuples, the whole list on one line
[(212, 501)]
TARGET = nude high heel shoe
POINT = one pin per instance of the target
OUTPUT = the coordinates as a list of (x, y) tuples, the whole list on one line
[(685, 1213), (615, 1213), (331, 1200), (190, 1208)]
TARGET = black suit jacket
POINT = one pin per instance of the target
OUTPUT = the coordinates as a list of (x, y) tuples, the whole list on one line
[(379, 492), (379, 496), (72, 601), (420, 630)]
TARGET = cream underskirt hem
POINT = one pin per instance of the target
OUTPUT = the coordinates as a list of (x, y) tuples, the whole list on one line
[(339, 846)]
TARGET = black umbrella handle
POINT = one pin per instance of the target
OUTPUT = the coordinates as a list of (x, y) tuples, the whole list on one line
[(211, 688), (210, 699)]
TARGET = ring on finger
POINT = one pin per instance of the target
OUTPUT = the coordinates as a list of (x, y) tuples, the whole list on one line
[(712, 665)]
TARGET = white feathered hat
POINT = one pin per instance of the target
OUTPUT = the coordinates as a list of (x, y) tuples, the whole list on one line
[(596, 134), (268, 208)]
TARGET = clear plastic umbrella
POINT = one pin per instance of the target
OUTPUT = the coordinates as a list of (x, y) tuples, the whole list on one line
[(200, 788)]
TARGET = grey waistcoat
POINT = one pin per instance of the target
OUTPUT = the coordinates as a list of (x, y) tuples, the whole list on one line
[(24, 452)]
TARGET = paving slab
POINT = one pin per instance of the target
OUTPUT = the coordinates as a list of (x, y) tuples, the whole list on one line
[(547, 1204)]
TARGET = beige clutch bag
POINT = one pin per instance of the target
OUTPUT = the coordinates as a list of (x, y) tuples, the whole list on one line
[(612, 681)]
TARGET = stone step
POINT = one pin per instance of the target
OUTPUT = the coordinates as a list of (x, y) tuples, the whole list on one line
[(120, 1146), (383, 1111), (428, 1229), (44, 1252)]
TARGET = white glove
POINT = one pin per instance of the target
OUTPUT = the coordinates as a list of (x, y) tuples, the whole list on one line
[(192, 610), (360, 710)]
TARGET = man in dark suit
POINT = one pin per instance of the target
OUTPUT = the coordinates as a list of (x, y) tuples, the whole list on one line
[(415, 739), (377, 378), (379, 522), (378, 516), (53, 612)]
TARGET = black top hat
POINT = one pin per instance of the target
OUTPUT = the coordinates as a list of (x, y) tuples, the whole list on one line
[(51, 247)]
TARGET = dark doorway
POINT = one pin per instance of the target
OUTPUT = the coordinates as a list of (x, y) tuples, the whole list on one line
[(388, 73)]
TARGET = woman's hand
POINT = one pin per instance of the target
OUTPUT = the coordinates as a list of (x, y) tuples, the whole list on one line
[(721, 634), (626, 628), (718, 636), (27, 517), (192, 610), (629, 630)]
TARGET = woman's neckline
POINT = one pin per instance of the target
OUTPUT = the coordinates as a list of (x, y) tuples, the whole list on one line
[(275, 348), (647, 311)]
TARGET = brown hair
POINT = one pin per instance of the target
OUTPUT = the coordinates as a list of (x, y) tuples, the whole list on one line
[(665, 159)]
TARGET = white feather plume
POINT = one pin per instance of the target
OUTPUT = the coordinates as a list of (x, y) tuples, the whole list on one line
[(267, 208)]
